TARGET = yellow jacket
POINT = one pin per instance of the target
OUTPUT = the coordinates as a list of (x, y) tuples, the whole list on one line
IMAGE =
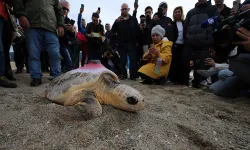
[(165, 48)]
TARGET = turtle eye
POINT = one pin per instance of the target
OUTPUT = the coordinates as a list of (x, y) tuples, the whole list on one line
[(132, 100)]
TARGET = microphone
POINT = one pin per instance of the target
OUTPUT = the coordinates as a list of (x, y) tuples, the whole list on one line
[(209, 22)]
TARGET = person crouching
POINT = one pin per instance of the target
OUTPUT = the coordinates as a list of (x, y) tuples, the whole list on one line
[(161, 50)]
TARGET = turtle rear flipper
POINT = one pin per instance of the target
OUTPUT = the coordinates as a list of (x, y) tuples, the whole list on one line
[(43, 94), (89, 106)]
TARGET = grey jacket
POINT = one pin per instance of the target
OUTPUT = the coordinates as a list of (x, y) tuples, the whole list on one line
[(194, 35), (47, 14)]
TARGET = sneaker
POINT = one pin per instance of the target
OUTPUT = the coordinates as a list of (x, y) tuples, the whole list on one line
[(4, 82), (147, 82), (207, 73), (133, 79), (51, 78), (203, 83), (122, 77), (36, 82)]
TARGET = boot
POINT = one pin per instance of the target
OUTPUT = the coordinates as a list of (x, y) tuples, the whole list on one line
[(4, 82)]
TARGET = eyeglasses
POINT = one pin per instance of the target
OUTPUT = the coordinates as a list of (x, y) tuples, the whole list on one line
[(64, 8)]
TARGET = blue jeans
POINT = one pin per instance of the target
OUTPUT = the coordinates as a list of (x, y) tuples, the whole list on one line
[(66, 56), (240, 65), (2, 57), (36, 40), (224, 74), (232, 85)]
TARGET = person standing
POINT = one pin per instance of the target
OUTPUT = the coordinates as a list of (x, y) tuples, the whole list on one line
[(64, 41), (146, 27), (127, 29), (223, 9), (41, 21), (198, 41), (95, 44), (4, 82), (166, 22), (175, 73)]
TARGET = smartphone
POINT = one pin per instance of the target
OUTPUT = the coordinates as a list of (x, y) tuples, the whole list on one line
[(95, 34), (236, 5), (99, 8), (82, 6), (209, 2), (199, 60), (136, 2), (72, 22), (159, 12)]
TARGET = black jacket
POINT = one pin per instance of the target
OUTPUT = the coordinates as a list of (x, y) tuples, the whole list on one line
[(127, 30), (167, 24), (145, 34), (194, 35), (94, 44), (226, 11)]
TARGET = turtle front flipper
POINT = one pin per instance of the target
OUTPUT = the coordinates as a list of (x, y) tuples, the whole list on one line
[(89, 106)]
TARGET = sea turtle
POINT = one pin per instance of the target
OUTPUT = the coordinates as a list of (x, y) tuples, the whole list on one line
[(88, 87)]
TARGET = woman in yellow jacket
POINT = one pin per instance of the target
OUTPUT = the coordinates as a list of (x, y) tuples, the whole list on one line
[(161, 49)]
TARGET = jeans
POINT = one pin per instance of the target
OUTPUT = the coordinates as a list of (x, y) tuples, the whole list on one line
[(240, 65), (36, 40), (224, 74), (240, 80), (2, 59), (67, 62)]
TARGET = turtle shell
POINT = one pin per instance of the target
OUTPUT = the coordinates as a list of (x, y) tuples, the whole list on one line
[(64, 86)]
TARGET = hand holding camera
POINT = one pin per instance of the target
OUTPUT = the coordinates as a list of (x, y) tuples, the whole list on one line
[(154, 51), (24, 22), (148, 56), (244, 34), (136, 5), (210, 62), (82, 8), (60, 31)]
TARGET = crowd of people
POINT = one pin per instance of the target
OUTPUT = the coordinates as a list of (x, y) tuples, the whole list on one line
[(155, 48)]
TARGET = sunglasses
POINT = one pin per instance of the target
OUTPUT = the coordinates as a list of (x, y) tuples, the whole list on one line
[(64, 8)]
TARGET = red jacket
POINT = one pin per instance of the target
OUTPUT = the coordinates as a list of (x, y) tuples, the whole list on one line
[(2, 10)]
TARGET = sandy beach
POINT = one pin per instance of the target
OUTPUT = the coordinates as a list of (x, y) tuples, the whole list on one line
[(175, 117)]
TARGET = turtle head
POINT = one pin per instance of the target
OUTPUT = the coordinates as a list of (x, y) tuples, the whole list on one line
[(127, 98)]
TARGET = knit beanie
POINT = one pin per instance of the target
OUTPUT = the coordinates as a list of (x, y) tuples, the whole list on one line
[(158, 30)]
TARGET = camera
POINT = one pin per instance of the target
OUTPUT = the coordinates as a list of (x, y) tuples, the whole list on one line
[(227, 27), (225, 31), (143, 21)]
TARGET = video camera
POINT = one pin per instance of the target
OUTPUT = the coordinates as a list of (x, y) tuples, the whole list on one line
[(225, 31)]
